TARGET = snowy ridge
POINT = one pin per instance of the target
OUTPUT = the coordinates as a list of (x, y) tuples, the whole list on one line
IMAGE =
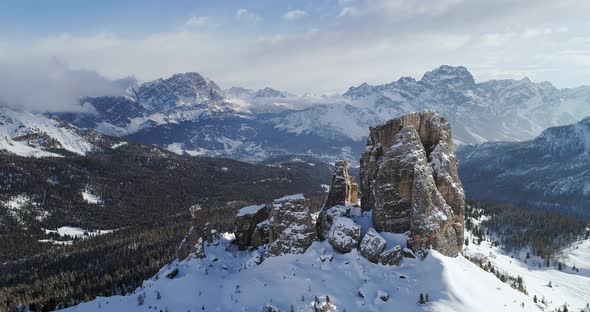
[(228, 280), (28, 134), (190, 114)]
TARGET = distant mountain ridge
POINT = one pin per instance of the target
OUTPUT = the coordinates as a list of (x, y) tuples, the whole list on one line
[(552, 171), (190, 114)]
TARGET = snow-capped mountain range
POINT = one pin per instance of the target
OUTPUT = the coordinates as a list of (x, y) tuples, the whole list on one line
[(552, 171), (188, 113)]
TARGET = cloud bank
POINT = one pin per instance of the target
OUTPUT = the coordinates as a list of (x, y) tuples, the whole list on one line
[(48, 86), (337, 44)]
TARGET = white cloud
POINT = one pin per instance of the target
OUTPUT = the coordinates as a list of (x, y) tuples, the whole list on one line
[(294, 14), (245, 15), (197, 21), (375, 43), (52, 86), (346, 11)]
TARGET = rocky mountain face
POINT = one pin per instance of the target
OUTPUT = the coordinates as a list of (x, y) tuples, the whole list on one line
[(551, 171), (189, 114), (409, 180)]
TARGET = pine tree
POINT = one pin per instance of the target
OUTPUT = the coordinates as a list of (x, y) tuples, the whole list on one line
[(422, 298), (559, 266), (535, 298), (427, 300)]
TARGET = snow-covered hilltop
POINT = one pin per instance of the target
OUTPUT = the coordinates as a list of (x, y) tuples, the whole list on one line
[(406, 254)]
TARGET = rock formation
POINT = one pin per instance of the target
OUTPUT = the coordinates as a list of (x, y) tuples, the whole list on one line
[(344, 234), (291, 228), (199, 233), (409, 180), (343, 191), (391, 256), (352, 196), (340, 187), (246, 225), (372, 245)]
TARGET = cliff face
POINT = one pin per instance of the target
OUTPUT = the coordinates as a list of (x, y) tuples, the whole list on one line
[(409, 180)]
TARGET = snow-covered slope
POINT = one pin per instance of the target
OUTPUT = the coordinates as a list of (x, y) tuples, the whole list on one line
[(228, 280), (552, 288), (28, 134)]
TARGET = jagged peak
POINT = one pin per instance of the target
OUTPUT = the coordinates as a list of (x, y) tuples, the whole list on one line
[(458, 75), (270, 92)]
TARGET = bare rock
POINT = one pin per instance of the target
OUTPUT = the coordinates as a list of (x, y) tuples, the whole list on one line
[(391, 256), (372, 245), (340, 187), (352, 197), (246, 222), (409, 179), (344, 234), (343, 191), (261, 233), (291, 230), (198, 234)]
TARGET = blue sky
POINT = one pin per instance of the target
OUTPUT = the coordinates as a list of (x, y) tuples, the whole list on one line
[(29, 18), (321, 46)]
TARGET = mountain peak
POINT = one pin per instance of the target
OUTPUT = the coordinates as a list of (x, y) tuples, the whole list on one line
[(449, 75), (182, 89), (270, 92)]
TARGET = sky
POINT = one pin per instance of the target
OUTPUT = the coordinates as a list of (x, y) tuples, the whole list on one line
[(316, 46)]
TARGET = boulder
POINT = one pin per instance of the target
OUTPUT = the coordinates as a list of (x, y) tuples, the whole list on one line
[(291, 230), (409, 180), (391, 256), (344, 234), (246, 222), (326, 219), (372, 245)]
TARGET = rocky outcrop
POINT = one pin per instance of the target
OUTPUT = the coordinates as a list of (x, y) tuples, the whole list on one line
[(340, 187), (291, 228), (261, 233), (343, 191), (352, 196), (199, 233), (409, 180), (246, 225), (372, 245), (344, 234)]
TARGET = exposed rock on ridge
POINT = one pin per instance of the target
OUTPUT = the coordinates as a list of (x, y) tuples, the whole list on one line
[(343, 191), (199, 233), (409, 180)]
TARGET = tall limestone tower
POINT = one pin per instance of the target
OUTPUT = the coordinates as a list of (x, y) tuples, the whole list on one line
[(409, 180)]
